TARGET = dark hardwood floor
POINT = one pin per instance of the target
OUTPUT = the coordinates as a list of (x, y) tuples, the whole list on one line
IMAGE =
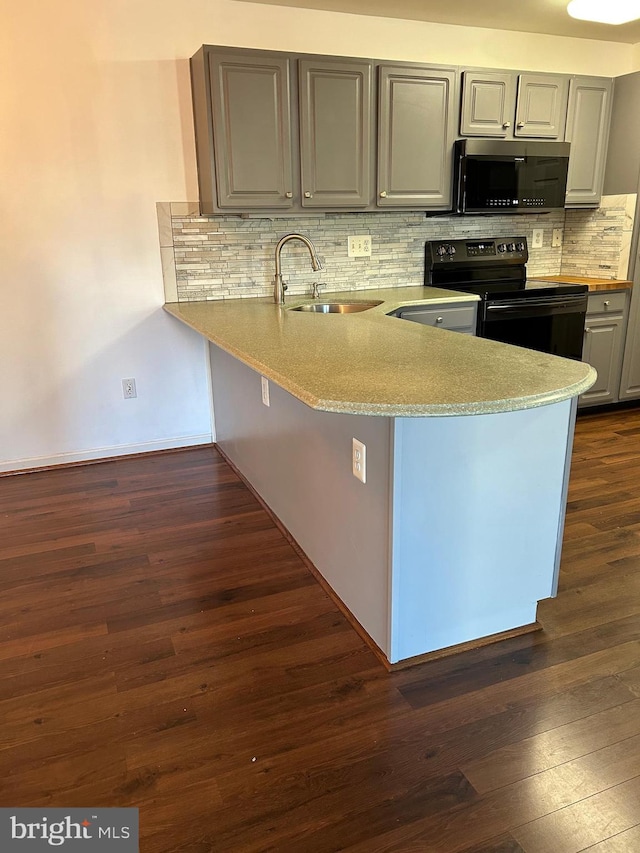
[(163, 646)]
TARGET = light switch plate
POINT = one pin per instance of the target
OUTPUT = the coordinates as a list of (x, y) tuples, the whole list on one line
[(556, 239)]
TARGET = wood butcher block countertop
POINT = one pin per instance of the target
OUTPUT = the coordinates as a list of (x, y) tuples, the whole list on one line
[(594, 284)]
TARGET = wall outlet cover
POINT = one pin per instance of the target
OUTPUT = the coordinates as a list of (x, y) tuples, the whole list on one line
[(264, 382), (129, 391), (359, 246), (359, 460), (538, 234)]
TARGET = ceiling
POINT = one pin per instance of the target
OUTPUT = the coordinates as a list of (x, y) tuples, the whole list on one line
[(529, 16)]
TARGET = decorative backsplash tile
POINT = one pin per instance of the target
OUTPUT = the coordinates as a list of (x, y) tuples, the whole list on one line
[(598, 242), (222, 257)]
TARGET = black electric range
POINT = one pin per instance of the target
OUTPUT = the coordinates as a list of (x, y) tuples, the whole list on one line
[(542, 315)]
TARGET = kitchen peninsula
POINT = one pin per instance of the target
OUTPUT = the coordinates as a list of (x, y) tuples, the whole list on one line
[(456, 533)]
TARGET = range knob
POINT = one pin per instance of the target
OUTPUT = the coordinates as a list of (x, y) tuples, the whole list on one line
[(441, 250), (521, 247), (502, 248), (511, 247), (451, 250)]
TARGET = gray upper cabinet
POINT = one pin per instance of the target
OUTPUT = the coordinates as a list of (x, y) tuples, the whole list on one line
[(541, 106), (285, 133), (588, 119), (335, 133), (416, 128), (510, 105), (488, 100), (247, 100)]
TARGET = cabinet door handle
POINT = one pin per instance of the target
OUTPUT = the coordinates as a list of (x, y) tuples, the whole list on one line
[(307, 195), (507, 124), (520, 124), (587, 330), (439, 319), (288, 195), (383, 194), (607, 302)]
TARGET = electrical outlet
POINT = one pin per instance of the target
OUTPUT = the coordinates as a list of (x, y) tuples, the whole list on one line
[(359, 460), (265, 390), (359, 246), (556, 239), (129, 389), (538, 234)]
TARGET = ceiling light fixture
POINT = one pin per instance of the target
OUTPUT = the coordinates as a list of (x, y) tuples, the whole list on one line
[(605, 11)]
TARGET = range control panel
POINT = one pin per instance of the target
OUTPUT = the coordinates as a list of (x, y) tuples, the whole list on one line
[(501, 250)]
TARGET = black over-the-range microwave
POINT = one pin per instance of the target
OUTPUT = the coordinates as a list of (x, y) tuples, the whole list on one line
[(500, 176)]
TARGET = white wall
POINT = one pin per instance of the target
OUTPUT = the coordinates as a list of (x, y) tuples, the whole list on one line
[(95, 128)]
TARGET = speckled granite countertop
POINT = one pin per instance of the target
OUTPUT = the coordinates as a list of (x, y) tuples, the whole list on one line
[(594, 284), (371, 364)]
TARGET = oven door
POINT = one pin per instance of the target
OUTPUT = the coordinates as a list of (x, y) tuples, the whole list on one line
[(553, 324)]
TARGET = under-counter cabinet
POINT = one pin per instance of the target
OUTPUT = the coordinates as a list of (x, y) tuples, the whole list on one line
[(630, 378), (588, 120), (604, 334), (508, 105), (453, 317), (416, 130)]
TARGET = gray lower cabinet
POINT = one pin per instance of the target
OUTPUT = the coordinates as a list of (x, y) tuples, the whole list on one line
[(416, 130), (510, 105), (335, 132), (588, 120), (451, 316), (245, 97), (604, 334), (630, 379)]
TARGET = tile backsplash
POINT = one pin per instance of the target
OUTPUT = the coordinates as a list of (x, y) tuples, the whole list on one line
[(222, 257), (598, 242)]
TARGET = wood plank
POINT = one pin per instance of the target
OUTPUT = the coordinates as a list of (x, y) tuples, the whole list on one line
[(553, 747), (585, 823), (158, 633)]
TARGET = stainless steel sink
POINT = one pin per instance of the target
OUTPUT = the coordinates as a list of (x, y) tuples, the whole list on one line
[(335, 307)]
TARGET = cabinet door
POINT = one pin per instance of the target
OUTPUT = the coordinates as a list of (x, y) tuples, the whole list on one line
[(416, 129), (630, 378), (603, 350), (541, 106), (250, 101), (487, 104), (335, 133), (588, 118)]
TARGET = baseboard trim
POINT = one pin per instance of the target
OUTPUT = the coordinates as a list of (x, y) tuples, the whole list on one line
[(101, 454), (465, 647)]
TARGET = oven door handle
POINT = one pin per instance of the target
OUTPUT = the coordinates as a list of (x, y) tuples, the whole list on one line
[(524, 306)]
